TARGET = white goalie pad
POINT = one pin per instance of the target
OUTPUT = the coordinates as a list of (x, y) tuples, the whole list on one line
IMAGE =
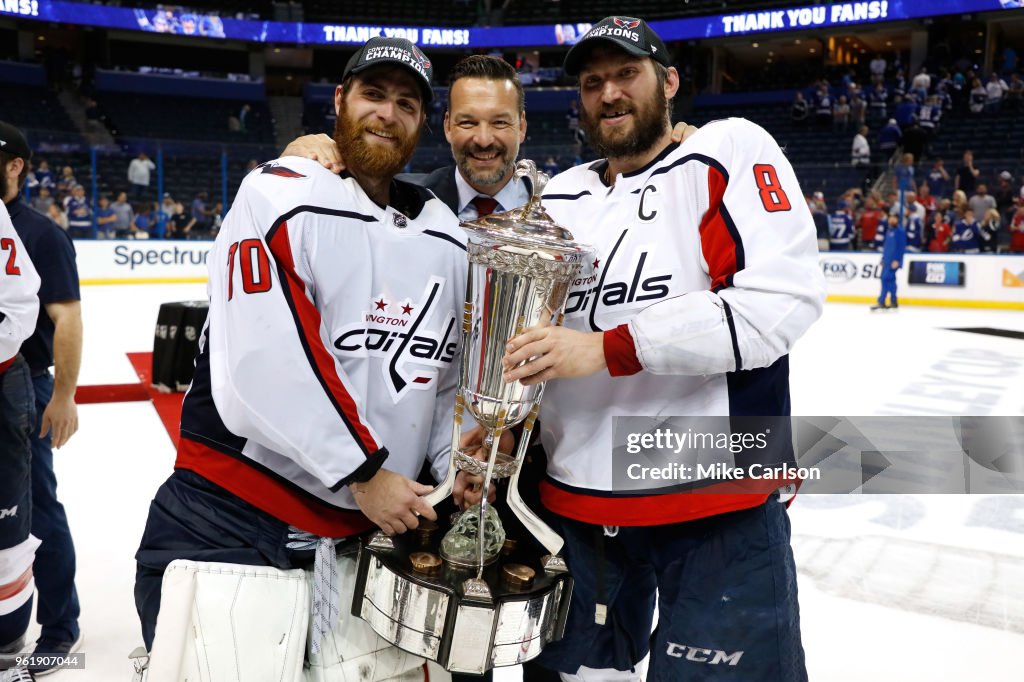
[(235, 623)]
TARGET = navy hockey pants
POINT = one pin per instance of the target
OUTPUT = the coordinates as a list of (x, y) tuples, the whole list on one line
[(726, 596)]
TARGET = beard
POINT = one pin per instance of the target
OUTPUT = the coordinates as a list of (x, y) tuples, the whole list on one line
[(374, 160), (482, 178), (649, 124)]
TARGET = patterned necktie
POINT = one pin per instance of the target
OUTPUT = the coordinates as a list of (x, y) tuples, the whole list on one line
[(484, 206)]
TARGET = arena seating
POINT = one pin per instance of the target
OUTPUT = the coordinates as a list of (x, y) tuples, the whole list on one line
[(184, 118), (574, 11)]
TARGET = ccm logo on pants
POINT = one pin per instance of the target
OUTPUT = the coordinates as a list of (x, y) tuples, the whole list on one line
[(697, 655)]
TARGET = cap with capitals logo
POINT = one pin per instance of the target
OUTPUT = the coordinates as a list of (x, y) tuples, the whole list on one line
[(398, 51), (13, 142), (630, 34)]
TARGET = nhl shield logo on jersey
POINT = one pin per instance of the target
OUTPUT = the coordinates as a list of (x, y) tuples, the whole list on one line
[(399, 219), (403, 333)]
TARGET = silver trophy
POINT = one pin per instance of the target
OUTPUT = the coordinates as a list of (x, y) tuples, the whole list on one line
[(474, 599)]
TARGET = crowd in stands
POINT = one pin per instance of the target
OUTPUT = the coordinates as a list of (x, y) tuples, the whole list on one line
[(941, 212), (61, 197), (968, 211)]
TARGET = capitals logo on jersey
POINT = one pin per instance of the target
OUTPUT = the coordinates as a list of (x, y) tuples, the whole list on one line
[(638, 284), (397, 331)]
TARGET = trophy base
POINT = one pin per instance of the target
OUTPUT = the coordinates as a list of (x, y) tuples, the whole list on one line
[(438, 616)]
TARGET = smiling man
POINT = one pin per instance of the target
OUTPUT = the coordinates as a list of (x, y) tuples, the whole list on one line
[(301, 428), (706, 275)]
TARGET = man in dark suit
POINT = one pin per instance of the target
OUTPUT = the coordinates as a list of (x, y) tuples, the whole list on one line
[(485, 124)]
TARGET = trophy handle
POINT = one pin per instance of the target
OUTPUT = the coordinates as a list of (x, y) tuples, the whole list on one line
[(551, 540), (445, 487)]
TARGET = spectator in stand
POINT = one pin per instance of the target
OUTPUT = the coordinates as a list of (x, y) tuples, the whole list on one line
[(995, 90), (915, 141), (841, 114), (56, 214), (79, 212), (1005, 194), (958, 208), (799, 110), (167, 207), (139, 172), (867, 223), (822, 107), (106, 219), (926, 198), (889, 138), (966, 234), (860, 152), (899, 86), (977, 97), (66, 183), (1014, 93), (816, 204), (43, 201), (551, 166), (938, 179), (840, 229), (858, 108), (929, 115), (922, 82), (125, 216), (942, 234), (913, 224), (146, 225), (218, 219), (903, 174), (906, 111), (1017, 231), (200, 213), (878, 99), (988, 231), (243, 117), (572, 119), (877, 68), (44, 176), (181, 223), (967, 175), (982, 202)]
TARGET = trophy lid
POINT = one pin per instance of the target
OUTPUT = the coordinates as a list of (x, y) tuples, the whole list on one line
[(528, 227)]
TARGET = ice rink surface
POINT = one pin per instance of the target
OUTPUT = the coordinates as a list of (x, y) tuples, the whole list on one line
[(924, 588)]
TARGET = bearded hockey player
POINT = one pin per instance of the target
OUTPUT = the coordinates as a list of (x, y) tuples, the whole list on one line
[(325, 377)]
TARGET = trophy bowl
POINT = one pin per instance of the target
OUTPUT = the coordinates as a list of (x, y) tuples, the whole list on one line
[(465, 599)]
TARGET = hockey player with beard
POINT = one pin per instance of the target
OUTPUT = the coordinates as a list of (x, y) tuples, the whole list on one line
[(325, 379), (707, 275)]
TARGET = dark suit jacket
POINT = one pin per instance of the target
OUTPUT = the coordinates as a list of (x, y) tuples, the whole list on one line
[(441, 182)]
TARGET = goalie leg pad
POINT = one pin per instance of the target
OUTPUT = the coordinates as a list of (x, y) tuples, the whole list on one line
[(223, 622)]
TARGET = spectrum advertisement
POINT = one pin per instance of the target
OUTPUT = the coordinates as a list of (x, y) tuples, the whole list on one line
[(181, 21)]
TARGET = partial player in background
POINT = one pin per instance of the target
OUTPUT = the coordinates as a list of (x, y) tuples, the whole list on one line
[(723, 262), (56, 342), (19, 307)]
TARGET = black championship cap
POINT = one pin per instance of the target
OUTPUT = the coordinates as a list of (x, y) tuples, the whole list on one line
[(398, 51), (627, 33), (13, 142)]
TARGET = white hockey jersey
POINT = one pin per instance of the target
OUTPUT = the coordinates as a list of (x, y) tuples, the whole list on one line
[(331, 344), (19, 286), (706, 275)]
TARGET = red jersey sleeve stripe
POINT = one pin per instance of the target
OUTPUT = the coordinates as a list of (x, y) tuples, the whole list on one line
[(720, 240), (307, 322)]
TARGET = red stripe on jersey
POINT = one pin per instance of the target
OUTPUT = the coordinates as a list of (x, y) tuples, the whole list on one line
[(716, 243), (309, 322), (655, 510), (6, 364), (15, 587), (281, 501), (620, 352)]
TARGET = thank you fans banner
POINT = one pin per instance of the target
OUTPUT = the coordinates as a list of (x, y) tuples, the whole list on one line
[(178, 20)]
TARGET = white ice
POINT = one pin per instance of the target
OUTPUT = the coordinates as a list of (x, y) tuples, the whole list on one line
[(866, 615)]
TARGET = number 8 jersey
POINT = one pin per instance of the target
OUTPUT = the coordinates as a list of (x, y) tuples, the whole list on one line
[(706, 275), (331, 345)]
